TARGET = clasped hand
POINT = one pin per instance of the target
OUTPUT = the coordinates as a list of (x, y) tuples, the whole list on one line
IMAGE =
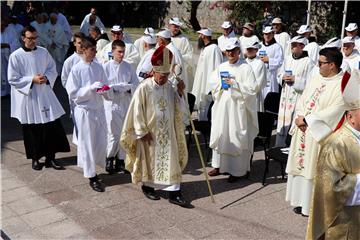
[(40, 79)]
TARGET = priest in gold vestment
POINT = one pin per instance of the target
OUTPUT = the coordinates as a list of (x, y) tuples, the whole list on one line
[(153, 132), (318, 111), (335, 211)]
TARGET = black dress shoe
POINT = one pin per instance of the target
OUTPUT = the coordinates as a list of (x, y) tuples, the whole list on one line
[(110, 165), (97, 186), (177, 198), (150, 193), (120, 166), (297, 210), (36, 165), (54, 164)]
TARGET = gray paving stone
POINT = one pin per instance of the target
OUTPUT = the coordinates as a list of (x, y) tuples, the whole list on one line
[(76, 207), (60, 196), (14, 225), (17, 194), (149, 223), (5, 173), (11, 183), (27, 205), (94, 218), (6, 212), (46, 184), (27, 235), (43, 217), (61, 230)]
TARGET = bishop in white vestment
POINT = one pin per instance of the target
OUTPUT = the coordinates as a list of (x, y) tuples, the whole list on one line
[(153, 133)]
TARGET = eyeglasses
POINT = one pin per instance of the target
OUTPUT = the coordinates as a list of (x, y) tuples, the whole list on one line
[(32, 38), (321, 63), (116, 33)]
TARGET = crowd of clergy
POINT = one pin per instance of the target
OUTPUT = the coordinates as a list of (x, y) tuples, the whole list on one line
[(140, 89)]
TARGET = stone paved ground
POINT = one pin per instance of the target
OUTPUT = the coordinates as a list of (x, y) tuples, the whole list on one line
[(51, 204)]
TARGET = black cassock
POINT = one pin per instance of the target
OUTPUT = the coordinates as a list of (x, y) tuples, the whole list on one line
[(45, 139)]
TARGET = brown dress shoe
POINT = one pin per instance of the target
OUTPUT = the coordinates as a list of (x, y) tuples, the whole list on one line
[(214, 172)]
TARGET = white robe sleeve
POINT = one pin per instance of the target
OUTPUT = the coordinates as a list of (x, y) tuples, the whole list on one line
[(300, 82), (276, 61), (354, 198), (50, 71), (77, 93), (20, 83), (131, 55)]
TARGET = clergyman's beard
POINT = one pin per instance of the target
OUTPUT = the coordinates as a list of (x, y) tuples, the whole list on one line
[(201, 44)]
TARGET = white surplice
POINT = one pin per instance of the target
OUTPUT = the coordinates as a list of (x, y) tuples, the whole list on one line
[(223, 40), (210, 58), (260, 70), (353, 60), (61, 19), (56, 34), (33, 103), (145, 66), (234, 123), (276, 58), (43, 39), (131, 54), (290, 93), (139, 44), (244, 42), (89, 115), (313, 51), (68, 64), (85, 25), (182, 43), (283, 39), (6, 37), (123, 82)]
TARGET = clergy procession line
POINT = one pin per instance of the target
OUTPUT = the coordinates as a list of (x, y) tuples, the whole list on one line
[(140, 91)]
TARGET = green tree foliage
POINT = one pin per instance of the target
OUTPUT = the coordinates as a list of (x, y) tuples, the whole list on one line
[(326, 16)]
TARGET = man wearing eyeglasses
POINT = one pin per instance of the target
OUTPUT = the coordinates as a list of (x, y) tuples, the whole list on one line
[(131, 53), (32, 74), (317, 114)]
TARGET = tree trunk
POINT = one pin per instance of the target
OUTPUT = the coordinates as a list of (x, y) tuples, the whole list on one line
[(193, 19)]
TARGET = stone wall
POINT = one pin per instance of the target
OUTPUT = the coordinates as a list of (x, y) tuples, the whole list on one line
[(209, 13)]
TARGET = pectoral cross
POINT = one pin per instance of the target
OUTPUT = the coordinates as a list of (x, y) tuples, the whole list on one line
[(45, 111)]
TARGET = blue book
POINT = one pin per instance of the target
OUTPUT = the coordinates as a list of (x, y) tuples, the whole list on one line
[(224, 75)]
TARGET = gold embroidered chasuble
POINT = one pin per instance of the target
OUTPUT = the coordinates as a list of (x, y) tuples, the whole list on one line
[(338, 164), (323, 106), (157, 110)]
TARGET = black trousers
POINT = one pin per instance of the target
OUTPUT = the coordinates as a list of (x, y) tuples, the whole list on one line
[(44, 140)]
